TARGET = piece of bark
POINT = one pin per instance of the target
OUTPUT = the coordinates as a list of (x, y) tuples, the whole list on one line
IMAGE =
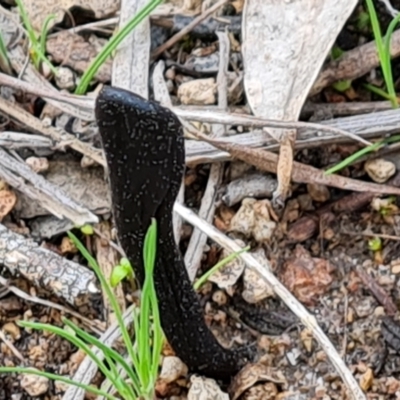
[(65, 279)]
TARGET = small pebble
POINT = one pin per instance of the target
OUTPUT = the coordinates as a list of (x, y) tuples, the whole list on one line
[(38, 164), (172, 368), (65, 79), (318, 192), (380, 170)]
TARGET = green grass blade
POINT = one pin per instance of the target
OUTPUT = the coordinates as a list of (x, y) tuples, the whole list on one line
[(377, 91), (366, 150), (112, 45), (197, 285), (384, 57), (110, 295), (54, 377), (27, 23), (387, 39), (144, 339), (75, 341), (109, 353)]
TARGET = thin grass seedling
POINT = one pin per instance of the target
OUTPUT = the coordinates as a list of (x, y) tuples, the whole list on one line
[(112, 44), (144, 352), (383, 47), (37, 48), (203, 279), (364, 151)]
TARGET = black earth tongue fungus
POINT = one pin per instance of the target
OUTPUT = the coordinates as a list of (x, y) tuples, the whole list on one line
[(144, 148)]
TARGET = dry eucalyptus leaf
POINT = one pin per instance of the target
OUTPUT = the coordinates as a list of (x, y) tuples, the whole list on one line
[(256, 289), (228, 275), (74, 51), (205, 389), (7, 202), (305, 276), (367, 379), (284, 46), (85, 185), (252, 374), (38, 10), (380, 170)]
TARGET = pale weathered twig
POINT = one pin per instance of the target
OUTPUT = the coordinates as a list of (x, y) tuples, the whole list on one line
[(18, 140), (194, 252), (255, 122), (61, 137), (23, 178)]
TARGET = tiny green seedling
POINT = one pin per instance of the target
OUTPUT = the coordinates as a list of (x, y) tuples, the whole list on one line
[(87, 230), (37, 47), (343, 85), (375, 244), (383, 47), (121, 271)]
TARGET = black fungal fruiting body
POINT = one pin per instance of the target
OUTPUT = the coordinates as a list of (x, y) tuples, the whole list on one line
[(144, 147)]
